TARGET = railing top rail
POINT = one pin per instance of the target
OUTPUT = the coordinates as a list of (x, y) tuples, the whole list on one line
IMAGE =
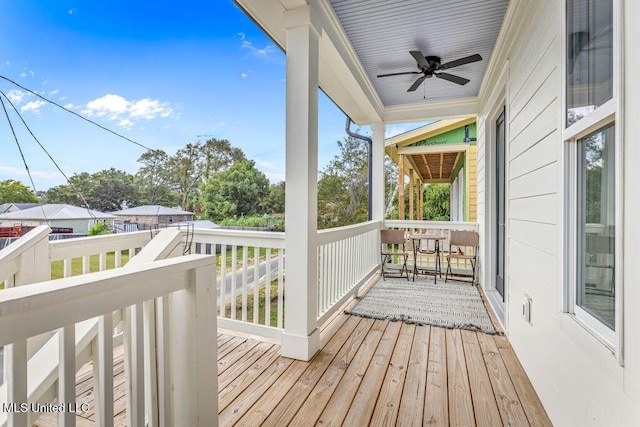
[(25, 242), (10, 254), (330, 235), (445, 225), (32, 309), (272, 239), (61, 249)]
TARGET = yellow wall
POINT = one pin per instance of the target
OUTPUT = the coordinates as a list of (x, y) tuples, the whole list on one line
[(471, 204)]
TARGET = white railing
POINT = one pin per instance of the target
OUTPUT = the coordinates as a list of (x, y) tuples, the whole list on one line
[(458, 266), (347, 258), (17, 260), (249, 278), (64, 305), (97, 253)]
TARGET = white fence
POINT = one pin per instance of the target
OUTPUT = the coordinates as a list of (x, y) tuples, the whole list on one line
[(347, 258), (249, 277)]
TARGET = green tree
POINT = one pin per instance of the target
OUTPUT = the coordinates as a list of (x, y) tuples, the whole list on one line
[(74, 193), (273, 202), (98, 229), (15, 192), (437, 202), (195, 163), (343, 185), (219, 155), (113, 190), (107, 190), (236, 191), (186, 174), (153, 180)]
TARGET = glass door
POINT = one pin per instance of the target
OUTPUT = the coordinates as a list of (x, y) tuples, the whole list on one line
[(500, 202)]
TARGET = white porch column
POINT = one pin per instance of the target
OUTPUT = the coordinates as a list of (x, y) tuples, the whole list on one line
[(301, 337), (378, 197)]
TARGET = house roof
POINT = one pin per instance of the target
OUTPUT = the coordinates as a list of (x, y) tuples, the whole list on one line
[(151, 210), (18, 206), (429, 163), (55, 212)]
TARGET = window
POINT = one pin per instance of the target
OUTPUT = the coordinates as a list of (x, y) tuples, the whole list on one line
[(589, 56), (595, 287), (593, 175)]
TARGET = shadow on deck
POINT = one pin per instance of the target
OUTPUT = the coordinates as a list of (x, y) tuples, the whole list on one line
[(368, 372)]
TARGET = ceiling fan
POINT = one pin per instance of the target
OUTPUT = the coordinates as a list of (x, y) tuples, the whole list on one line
[(430, 66)]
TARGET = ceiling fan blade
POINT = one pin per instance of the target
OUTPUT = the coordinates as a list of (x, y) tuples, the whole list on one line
[(417, 83), (420, 59), (461, 61), (452, 78), (398, 74)]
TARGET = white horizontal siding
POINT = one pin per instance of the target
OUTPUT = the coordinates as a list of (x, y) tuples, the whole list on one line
[(577, 378)]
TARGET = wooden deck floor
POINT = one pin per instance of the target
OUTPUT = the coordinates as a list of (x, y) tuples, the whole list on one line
[(369, 372)]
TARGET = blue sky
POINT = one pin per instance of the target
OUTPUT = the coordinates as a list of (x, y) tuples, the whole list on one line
[(161, 73)]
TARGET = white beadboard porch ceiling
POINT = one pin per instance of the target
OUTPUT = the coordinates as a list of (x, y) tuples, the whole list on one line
[(382, 32)]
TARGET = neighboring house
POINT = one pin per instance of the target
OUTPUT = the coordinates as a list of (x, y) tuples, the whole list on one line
[(63, 216), (152, 215), (555, 102), (443, 152), (13, 207)]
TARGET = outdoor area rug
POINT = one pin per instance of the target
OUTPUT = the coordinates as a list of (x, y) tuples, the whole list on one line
[(453, 305)]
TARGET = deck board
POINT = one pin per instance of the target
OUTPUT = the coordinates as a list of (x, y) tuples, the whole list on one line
[(486, 410), (388, 403), (416, 380), (506, 397), (338, 406), (364, 402), (436, 407), (312, 407), (369, 372), (460, 404)]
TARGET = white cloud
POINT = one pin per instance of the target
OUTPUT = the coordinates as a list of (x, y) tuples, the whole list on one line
[(71, 106), (125, 112), (264, 52), (125, 123), (14, 171), (33, 106), (53, 92), (26, 72), (72, 11), (264, 164), (114, 105), (244, 75), (275, 178), (15, 96), (150, 109)]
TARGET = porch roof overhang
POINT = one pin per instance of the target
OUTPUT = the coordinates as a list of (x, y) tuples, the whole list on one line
[(360, 41), (431, 164)]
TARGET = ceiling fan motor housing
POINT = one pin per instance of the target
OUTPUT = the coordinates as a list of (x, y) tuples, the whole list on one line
[(434, 62)]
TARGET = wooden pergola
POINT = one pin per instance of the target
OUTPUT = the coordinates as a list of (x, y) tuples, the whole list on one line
[(427, 164)]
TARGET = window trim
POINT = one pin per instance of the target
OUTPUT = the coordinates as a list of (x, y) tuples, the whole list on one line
[(609, 112)]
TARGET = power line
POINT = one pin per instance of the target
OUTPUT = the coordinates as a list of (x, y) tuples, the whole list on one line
[(26, 166), (75, 114), (43, 149)]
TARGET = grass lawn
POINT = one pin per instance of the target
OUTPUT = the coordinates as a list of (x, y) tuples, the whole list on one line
[(57, 268), (273, 320)]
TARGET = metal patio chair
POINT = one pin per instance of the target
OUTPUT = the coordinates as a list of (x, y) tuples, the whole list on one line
[(463, 245), (393, 244)]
